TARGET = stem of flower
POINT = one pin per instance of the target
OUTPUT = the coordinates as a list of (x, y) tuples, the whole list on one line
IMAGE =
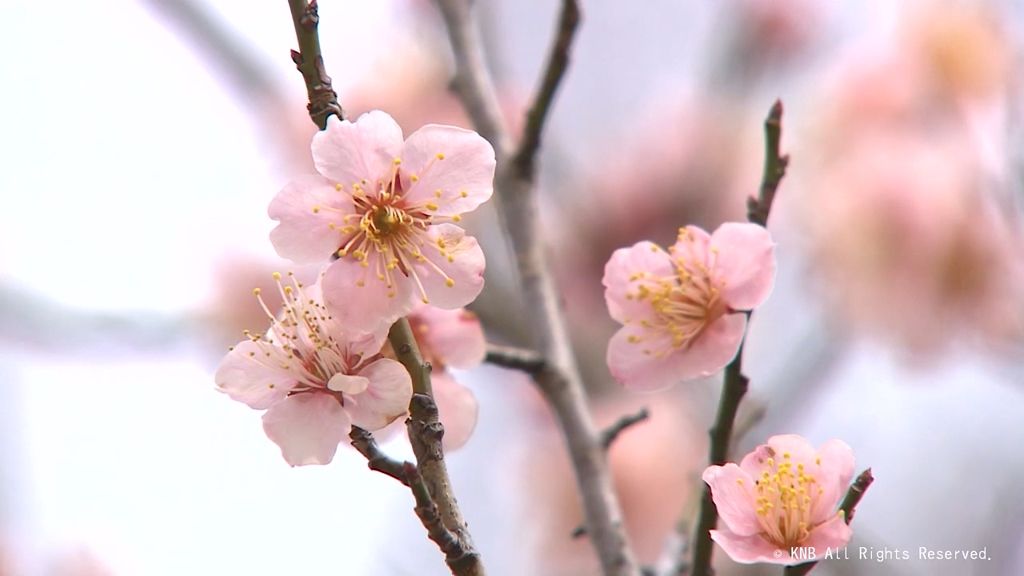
[(735, 384), (323, 100)]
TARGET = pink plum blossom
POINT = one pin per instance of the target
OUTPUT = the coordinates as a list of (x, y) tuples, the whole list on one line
[(387, 210), (314, 380), (680, 307), (451, 339), (784, 494)]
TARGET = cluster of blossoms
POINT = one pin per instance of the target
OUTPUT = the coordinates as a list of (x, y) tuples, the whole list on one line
[(381, 216)]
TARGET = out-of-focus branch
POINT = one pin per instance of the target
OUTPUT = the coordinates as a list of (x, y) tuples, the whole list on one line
[(559, 378), (735, 383), (323, 101), (612, 432), (514, 358), (558, 62), (472, 79), (848, 507)]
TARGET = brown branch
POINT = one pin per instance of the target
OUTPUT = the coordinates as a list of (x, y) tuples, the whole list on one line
[(425, 434), (559, 378), (461, 560), (514, 358), (323, 100), (735, 383), (848, 507), (376, 460), (612, 432)]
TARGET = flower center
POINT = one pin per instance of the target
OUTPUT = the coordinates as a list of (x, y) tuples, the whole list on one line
[(684, 304), (785, 496)]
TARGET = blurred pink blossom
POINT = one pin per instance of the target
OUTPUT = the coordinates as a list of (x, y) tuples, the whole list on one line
[(679, 308), (386, 209), (314, 380), (784, 494)]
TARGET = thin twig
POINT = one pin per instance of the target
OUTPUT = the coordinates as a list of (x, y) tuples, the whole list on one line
[(735, 383), (460, 559), (364, 442), (323, 100), (559, 378), (558, 62), (848, 507), (612, 432), (775, 164), (514, 358)]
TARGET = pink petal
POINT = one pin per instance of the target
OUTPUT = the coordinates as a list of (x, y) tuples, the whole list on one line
[(834, 476), (465, 176), (462, 262), (457, 407), (750, 549), (800, 450), (385, 399), (626, 263), (455, 337), (361, 302), (706, 355), (693, 246), (348, 384), (745, 262), (834, 533), (247, 375), (347, 152), (306, 208), (732, 491), (307, 427)]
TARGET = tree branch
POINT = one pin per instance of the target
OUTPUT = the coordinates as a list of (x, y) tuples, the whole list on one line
[(376, 460), (323, 101), (425, 434), (848, 507), (735, 384), (612, 432), (559, 378), (461, 560), (514, 358)]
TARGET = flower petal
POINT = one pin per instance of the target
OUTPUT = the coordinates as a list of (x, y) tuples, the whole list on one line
[(385, 399), (626, 271), (307, 427), (464, 172), (347, 152), (834, 533), (745, 262), (693, 246), (834, 476), (457, 407), (460, 260), (247, 375), (361, 302), (715, 347), (306, 209), (799, 449), (750, 549), (348, 384), (732, 491), (453, 337)]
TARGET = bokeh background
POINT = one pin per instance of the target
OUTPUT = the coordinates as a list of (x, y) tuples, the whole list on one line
[(142, 140)]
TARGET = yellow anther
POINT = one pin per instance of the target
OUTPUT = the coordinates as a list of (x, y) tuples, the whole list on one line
[(414, 178), (397, 161), (316, 209), (339, 187), (276, 275), (360, 283), (431, 206), (449, 282), (633, 338), (438, 193), (256, 291), (463, 193), (456, 218), (440, 156)]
